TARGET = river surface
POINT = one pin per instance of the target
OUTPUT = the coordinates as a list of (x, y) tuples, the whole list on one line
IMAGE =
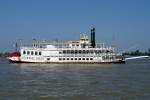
[(130, 81)]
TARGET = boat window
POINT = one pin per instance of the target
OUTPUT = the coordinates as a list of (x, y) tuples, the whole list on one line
[(79, 58), (63, 58), (64, 51), (76, 51), (24, 52), (35, 52), (67, 58), (87, 51), (87, 58), (59, 58), (71, 58), (83, 51), (72, 51), (40, 53), (107, 51), (83, 58), (75, 58), (28, 52), (79, 51), (31, 52), (91, 58), (48, 58), (59, 52), (68, 51)]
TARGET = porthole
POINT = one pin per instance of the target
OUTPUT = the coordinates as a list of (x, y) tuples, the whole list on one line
[(59, 58)]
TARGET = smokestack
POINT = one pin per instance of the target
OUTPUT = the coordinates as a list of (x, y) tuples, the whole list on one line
[(93, 37)]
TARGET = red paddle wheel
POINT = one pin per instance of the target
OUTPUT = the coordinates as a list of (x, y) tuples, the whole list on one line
[(14, 56)]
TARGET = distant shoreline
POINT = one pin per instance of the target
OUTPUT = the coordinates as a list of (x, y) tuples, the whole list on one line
[(4, 54), (137, 53)]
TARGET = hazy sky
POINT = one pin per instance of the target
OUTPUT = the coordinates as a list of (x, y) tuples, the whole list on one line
[(125, 23)]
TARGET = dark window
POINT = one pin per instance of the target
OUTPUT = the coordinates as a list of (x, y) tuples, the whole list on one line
[(59, 52), (77, 44), (76, 51), (67, 58), (64, 51), (31, 52), (87, 51), (83, 58), (63, 58), (28, 52), (71, 58), (107, 51), (79, 51), (79, 58), (72, 51), (68, 51), (91, 58), (87, 58), (40, 53), (59, 58), (75, 58), (83, 51), (24, 52), (48, 58), (35, 52)]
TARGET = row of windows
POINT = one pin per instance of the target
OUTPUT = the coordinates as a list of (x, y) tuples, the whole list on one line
[(85, 51), (32, 53), (75, 45), (75, 58), (33, 58), (108, 57)]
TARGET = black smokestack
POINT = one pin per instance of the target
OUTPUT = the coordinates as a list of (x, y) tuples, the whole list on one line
[(93, 37)]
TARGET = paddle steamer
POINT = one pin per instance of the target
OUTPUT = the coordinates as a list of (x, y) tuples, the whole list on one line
[(84, 50)]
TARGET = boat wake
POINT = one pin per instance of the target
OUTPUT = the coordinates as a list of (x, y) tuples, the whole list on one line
[(137, 57)]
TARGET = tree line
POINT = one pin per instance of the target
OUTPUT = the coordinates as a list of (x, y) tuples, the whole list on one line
[(4, 54), (137, 53)]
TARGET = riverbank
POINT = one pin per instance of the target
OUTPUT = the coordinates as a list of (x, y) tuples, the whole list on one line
[(137, 53)]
